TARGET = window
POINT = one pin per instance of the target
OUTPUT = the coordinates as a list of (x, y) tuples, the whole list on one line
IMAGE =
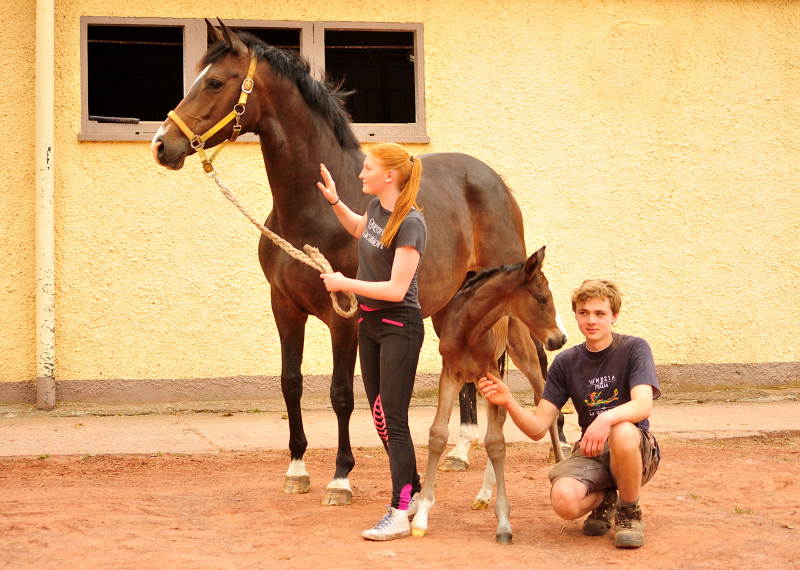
[(135, 70)]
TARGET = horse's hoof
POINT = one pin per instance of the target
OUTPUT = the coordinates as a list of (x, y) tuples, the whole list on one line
[(297, 485), (566, 451), (504, 538), (418, 532), (336, 497), (454, 464), (479, 505)]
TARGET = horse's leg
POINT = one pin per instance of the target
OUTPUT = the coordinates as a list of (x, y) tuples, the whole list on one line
[(437, 440), (458, 458), (495, 444), (344, 340), (291, 329), (524, 353), (566, 448)]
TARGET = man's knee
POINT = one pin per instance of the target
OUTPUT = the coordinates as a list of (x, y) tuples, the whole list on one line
[(624, 437), (566, 496)]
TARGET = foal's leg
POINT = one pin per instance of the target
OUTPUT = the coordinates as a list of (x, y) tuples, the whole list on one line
[(448, 390), (523, 353), (458, 458), (496, 449), (483, 497)]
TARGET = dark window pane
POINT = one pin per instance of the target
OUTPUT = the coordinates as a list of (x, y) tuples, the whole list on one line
[(380, 67), (134, 71), (288, 39)]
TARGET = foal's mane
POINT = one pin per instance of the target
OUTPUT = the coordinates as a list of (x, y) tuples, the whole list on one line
[(325, 98), (477, 280)]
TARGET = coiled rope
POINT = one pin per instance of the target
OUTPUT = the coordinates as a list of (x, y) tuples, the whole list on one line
[(311, 257)]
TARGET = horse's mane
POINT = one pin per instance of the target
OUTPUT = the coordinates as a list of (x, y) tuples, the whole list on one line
[(325, 98), (486, 273)]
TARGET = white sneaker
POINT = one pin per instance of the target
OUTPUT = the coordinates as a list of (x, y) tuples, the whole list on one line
[(394, 524), (413, 505)]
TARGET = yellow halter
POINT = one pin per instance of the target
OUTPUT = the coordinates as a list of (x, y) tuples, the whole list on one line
[(198, 141)]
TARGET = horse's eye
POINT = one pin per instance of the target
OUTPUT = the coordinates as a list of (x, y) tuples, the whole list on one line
[(214, 84), (541, 300)]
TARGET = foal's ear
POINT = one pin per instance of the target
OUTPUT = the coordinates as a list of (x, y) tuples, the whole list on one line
[(534, 262), (215, 34), (234, 43)]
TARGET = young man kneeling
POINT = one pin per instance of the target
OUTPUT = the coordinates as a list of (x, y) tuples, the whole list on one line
[(611, 379)]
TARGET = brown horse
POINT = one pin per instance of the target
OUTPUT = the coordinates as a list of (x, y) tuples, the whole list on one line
[(473, 221), (475, 330)]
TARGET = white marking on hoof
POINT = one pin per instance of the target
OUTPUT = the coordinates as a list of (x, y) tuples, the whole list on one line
[(482, 499), (340, 483), (297, 468), (458, 458), (420, 523)]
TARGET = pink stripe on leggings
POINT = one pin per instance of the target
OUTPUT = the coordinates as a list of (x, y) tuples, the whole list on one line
[(405, 497)]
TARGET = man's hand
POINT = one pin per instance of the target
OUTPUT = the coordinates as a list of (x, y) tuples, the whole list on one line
[(595, 437), (494, 390)]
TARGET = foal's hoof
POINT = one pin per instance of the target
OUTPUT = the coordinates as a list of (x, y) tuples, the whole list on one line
[(479, 505), (296, 484), (454, 464), (418, 532), (504, 538), (336, 497)]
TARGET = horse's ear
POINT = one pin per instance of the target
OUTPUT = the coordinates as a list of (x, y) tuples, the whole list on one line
[(215, 34), (236, 45), (534, 262)]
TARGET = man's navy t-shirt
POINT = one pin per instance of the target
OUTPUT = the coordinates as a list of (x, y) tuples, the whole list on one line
[(600, 381)]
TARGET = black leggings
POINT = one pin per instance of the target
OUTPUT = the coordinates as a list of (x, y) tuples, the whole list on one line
[(389, 341)]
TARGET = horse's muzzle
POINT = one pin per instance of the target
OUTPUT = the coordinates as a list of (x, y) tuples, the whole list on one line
[(161, 153), (556, 343)]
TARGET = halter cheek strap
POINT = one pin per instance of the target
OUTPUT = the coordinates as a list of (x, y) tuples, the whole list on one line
[(198, 141)]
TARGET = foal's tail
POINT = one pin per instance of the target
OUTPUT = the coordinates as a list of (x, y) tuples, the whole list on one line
[(502, 362)]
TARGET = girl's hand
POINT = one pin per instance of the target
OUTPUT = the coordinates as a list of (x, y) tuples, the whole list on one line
[(334, 281), (329, 188)]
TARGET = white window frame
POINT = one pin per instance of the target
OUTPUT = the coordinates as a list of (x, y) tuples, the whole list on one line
[(312, 47)]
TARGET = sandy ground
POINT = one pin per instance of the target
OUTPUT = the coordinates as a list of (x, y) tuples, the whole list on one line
[(713, 504)]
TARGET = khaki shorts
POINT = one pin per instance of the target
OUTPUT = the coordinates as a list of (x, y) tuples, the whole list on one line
[(595, 472)]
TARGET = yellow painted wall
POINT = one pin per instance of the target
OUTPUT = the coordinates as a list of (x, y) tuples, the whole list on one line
[(655, 143), (17, 214)]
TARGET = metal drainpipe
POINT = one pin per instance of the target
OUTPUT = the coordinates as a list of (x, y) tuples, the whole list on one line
[(45, 194)]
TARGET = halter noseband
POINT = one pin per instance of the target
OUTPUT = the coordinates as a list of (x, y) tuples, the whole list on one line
[(198, 141)]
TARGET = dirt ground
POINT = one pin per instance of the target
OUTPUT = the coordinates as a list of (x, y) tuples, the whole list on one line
[(715, 504)]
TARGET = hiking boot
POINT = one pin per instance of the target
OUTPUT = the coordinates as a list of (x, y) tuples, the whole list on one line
[(394, 524), (599, 520), (413, 505), (629, 527)]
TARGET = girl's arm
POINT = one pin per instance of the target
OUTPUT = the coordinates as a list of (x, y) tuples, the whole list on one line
[(406, 259), (351, 221)]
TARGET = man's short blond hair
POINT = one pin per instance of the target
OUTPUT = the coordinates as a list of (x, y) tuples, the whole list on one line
[(598, 289)]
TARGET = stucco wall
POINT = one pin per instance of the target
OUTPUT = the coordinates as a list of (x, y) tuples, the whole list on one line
[(17, 227), (654, 143)]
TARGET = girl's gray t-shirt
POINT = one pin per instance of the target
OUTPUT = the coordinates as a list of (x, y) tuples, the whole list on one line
[(375, 260)]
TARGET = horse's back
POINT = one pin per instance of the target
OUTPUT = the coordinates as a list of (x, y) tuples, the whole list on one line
[(473, 222)]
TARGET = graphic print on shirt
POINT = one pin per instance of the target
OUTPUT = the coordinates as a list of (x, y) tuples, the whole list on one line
[(601, 396), (380, 420), (373, 233)]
